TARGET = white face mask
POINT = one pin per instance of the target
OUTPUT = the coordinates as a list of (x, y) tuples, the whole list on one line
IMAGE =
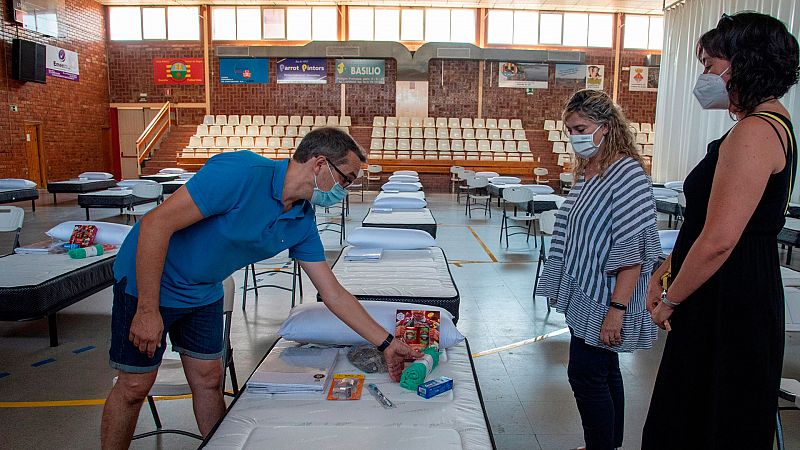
[(711, 91), (583, 144)]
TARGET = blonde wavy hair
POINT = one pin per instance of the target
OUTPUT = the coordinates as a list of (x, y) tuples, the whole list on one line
[(598, 107)]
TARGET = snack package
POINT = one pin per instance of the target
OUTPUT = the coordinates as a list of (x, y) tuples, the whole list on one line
[(83, 235), (418, 328), (346, 386)]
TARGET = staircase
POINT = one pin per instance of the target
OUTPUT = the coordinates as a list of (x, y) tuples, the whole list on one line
[(166, 155)]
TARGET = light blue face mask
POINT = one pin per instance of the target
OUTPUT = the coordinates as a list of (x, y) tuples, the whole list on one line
[(328, 198)]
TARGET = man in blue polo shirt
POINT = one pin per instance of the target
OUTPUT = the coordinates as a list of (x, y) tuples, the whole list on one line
[(238, 209)]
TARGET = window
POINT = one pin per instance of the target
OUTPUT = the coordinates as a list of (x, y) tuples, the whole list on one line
[(183, 23), (462, 25), (576, 29), (437, 25), (248, 23), (526, 27), (644, 32), (125, 23), (601, 30), (412, 26), (325, 24), (223, 23), (298, 24), (154, 23), (387, 24), (550, 28), (274, 23), (361, 24), (522, 27)]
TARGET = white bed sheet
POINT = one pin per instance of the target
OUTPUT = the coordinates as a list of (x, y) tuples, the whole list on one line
[(417, 194), (32, 269), (422, 216), (424, 274), (110, 193), (453, 420)]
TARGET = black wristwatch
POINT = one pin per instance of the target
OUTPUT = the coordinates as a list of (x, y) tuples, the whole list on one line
[(385, 344), (618, 306)]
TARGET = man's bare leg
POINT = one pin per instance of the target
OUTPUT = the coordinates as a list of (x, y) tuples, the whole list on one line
[(122, 408)]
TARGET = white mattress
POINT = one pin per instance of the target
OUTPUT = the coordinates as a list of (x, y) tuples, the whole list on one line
[(792, 224), (32, 269), (417, 194), (420, 216), (75, 181), (110, 193), (399, 273), (453, 420), (557, 199)]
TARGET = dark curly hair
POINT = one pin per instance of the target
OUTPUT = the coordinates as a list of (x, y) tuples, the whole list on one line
[(763, 56)]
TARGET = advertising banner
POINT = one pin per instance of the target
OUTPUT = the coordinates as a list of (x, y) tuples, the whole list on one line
[(302, 71), (523, 75), (360, 71), (244, 70), (62, 63), (178, 70), (595, 75)]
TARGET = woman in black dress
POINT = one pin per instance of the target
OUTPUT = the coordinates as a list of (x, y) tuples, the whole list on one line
[(717, 385)]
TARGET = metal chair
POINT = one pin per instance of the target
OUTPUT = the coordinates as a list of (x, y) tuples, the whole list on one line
[(455, 171), (517, 196), (151, 190), (11, 218), (547, 221), (374, 173), (463, 177), (476, 192), (277, 266), (789, 391), (334, 219), (540, 173), (171, 380), (565, 181)]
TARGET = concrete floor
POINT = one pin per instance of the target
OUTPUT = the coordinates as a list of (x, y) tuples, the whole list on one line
[(529, 401)]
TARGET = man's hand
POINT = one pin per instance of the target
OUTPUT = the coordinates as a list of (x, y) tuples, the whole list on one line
[(146, 330), (396, 354)]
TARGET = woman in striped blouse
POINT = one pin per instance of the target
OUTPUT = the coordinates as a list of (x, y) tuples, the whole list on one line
[(602, 253)]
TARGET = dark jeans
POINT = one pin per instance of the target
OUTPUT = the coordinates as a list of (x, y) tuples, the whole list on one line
[(597, 384)]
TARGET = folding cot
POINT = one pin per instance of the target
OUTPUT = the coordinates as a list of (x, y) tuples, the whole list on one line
[(78, 186), (419, 219), (171, 186), (160, 177), (39, 285), (110, 198), (19, 195)]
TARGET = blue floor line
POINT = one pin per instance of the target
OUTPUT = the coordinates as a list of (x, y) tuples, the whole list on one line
[(43, 362), (84, 349), (4, 374)]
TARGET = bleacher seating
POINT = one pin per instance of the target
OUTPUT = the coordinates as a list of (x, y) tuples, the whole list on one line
[(643, 133)]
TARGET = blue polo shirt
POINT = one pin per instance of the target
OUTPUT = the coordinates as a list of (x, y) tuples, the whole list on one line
[(240, 197)]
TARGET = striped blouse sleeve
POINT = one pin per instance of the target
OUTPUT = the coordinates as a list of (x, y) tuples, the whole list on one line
[(634, 236)]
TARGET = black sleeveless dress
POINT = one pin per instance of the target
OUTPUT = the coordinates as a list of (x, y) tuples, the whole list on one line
[(717, 386)]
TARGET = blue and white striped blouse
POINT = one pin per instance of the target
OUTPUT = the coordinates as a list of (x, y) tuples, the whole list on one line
[(605, 224)]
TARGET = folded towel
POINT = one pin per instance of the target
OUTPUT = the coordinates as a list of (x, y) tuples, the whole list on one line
[(415, 374)]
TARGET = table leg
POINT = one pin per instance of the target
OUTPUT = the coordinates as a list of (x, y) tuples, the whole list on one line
[(51, 325), (55, 201), (87, 213)]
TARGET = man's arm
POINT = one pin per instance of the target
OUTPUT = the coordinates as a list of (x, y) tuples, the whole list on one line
[(155, 230), (349, 310)]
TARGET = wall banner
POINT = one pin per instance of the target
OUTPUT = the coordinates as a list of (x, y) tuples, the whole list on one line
[(244, 70), (178, 70), (302, 71), (595, 75), (360, 71), (62, 63), (523, 75), (643, 79)]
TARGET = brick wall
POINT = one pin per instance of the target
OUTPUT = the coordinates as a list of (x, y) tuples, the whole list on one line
[(639, 106), (72, 114), (453, 88)]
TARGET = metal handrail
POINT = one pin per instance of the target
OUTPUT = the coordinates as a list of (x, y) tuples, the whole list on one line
[(153, 132)]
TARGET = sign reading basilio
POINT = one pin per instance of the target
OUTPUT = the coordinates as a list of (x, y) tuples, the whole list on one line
[(360, 71)]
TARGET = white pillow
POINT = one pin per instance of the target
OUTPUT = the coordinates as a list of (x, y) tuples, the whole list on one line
[(487, 174), (390, 238), (172, 171), (400, 203), (107, 233), (404, 178), (401, 187), (406, 172), (315, 323), (96, 175), (186, 175), (16, 183), (505, 180), (132, 183)]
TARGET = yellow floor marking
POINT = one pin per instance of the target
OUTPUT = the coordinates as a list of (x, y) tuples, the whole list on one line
[(520, 343), (90, 402), (485, 248)]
